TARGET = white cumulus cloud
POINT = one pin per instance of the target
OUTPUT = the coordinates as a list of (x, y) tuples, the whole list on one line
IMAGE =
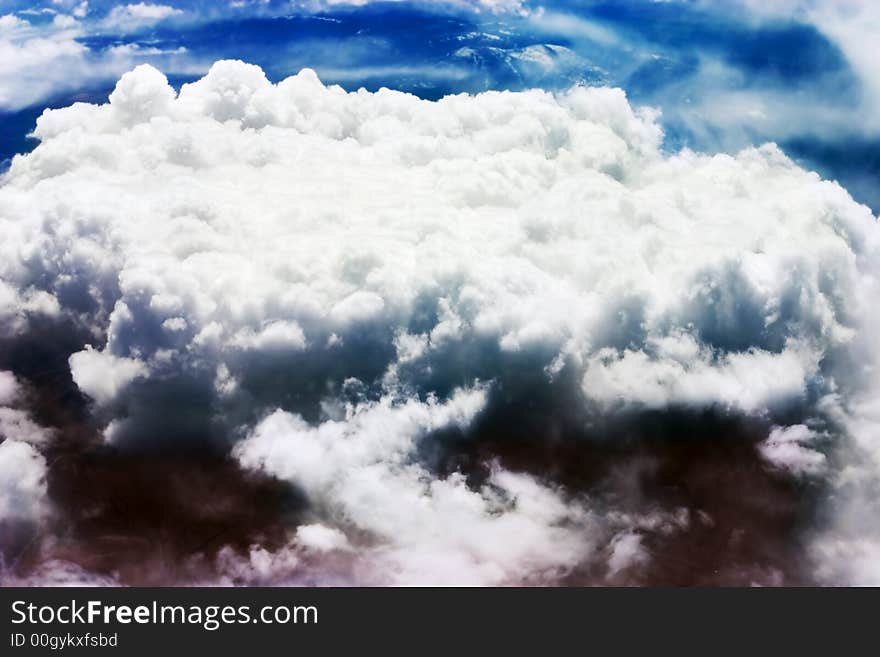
[(328, 273), (133, 16), (23, 494)]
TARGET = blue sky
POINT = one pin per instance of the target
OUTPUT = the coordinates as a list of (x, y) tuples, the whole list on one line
[(724, 75)]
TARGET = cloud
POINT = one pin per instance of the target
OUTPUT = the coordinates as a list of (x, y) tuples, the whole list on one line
[(626, 552), (676, 370), (41, 61), (851, 25), (9, 390), (23, 494), (101, 375), (321, 538), (127, 18), (424, 529), (11, 22), (573, 27), (25, 59), (787, 448), (22, 481), (493, 6), (349, 286)]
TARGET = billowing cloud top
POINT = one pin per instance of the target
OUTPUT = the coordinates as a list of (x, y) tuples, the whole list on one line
[(798, 72), (343, 283)]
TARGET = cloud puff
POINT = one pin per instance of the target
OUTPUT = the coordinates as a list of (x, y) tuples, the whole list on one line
[(11, 22), (42, 60), (22, 481), (321, 538), (23, 494), (788, 448), (131, 17), (851, 25), (361, 472), (27, 57), (101, 375), (336, 279)]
